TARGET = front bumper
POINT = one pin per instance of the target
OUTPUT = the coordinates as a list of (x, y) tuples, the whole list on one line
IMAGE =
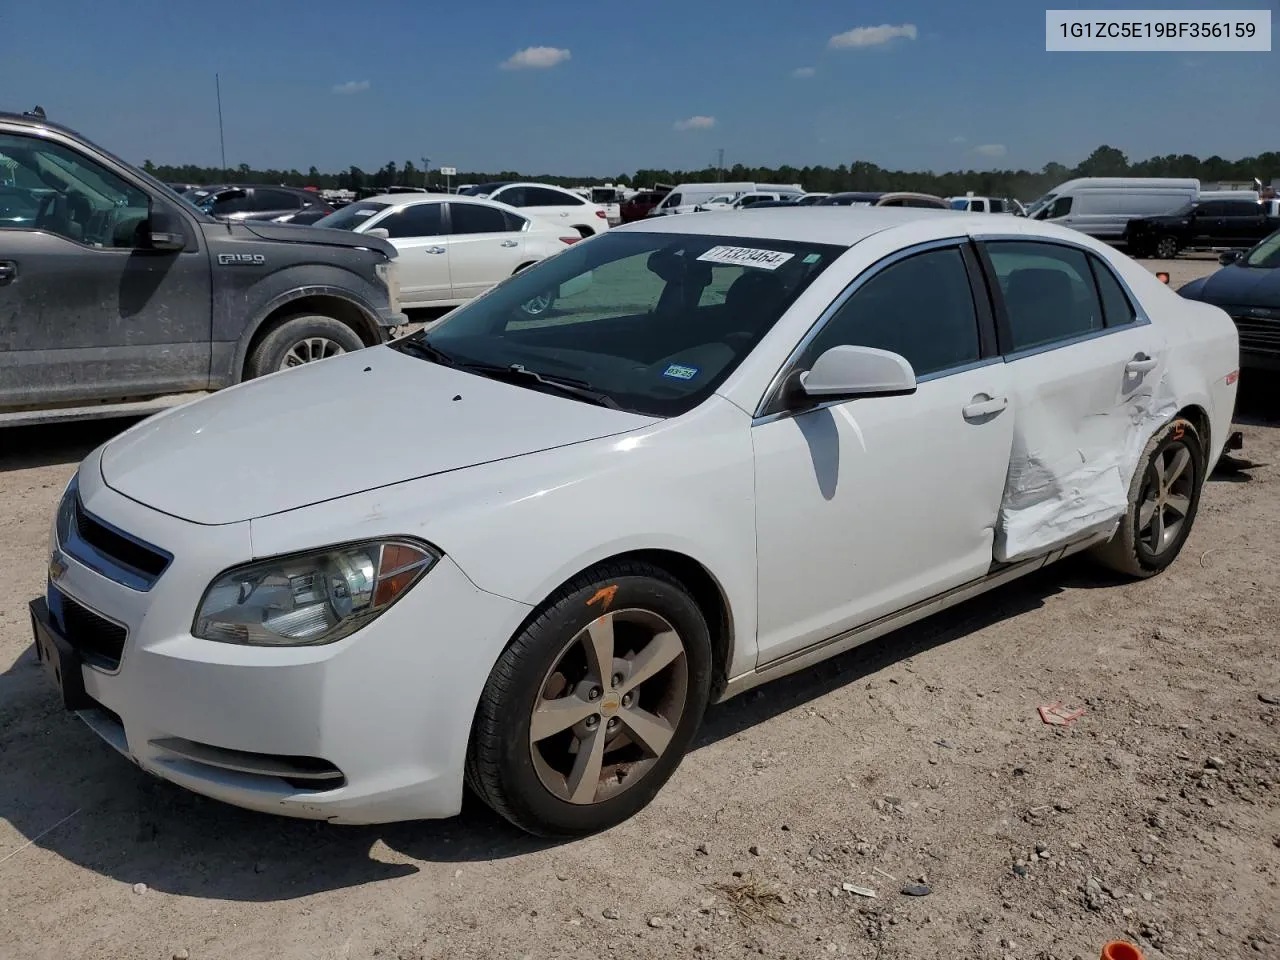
[(370, 729)]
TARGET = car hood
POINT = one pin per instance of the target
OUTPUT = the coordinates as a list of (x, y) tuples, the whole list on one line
[(1239, 286), (345, 425), (300, 233)]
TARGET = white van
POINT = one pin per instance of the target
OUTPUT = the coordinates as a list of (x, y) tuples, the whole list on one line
[(686, 197), (1103, 206)]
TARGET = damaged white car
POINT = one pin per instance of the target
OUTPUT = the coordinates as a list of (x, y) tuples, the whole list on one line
[(523, 550)]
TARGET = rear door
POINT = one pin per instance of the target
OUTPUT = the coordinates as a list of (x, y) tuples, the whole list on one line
[(1083, 367), (1243, 223), (86, 312), (486, 245), (419, 234)]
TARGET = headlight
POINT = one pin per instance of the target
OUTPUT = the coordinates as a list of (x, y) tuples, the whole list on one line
[(65, 516), (310, 598)]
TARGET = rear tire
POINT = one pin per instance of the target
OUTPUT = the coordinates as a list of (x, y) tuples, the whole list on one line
[(1164, 496), (591, 708), (303, 338)]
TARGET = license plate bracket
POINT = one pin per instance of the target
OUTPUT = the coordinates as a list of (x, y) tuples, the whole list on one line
[(60, 660)]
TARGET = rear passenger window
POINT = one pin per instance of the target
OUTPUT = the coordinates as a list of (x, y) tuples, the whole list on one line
[(1049, 293), (921, 308), (1117, 308)]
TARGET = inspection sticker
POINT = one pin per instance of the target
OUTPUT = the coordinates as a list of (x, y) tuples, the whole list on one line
[(747, 257), (679, 371)]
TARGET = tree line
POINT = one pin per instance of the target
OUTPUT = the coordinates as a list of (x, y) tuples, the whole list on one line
[(1106, 161)]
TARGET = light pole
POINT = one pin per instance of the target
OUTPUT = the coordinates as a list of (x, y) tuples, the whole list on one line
[(426, 165)]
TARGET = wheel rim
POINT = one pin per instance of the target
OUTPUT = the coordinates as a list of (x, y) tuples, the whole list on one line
[(538, 304), (1167, 249), (609, 706), (310, 350), (1165, 504)]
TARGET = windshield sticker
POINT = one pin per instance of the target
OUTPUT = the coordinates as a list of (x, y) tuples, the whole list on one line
[(747, 257), (680, 371), (812, 258)]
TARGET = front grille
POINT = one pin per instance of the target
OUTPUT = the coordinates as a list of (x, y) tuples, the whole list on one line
[(1262, 336), (117, 546), (99, 641)]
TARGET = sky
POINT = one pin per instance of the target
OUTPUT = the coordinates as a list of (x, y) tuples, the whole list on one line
[(601, 88)]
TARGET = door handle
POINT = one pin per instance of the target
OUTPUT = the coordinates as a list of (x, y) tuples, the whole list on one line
[(8, 271), (1140, 364), (435, 249), (511, 243), (983, 406)]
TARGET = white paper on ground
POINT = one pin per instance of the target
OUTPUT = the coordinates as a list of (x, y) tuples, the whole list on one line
[(1068, 477)]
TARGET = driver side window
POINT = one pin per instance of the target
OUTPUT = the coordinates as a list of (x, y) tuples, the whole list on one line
[(51, 188), (920, 308)]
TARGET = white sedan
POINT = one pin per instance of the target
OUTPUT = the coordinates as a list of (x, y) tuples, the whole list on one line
[(452, 249), (546, 202), (524, 554)]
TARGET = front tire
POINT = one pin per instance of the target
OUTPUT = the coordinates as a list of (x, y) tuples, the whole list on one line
[(303, 338), (591, 708), (1164, 497), (1166, 248)]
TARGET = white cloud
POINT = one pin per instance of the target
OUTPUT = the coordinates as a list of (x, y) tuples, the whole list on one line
[(351, 86), (959, 139), (535, 58), (871, 36), (696, 123), (802, 73), (991, 150)]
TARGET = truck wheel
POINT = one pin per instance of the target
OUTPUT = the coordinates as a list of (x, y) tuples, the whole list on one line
[(1166, 248), (304, 338)]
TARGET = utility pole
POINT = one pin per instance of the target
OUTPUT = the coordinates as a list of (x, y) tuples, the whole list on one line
[(719, 164), (426, 165), (222, 141)]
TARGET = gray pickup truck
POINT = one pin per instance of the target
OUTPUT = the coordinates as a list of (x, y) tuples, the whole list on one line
[(117, 297)]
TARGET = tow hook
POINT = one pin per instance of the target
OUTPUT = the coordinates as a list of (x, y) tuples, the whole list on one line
[(1236, 440)]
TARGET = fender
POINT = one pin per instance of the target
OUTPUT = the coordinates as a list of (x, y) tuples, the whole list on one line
[(369, 313)]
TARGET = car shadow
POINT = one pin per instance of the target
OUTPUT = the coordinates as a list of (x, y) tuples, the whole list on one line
[(45, 445), (71, 795)]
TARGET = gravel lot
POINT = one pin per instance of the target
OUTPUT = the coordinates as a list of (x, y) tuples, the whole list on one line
[(919, 759)]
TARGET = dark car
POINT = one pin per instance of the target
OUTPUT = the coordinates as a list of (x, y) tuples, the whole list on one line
[(1208, 223), (761, 204), (246, 201), (1248, 288), (638, 207), (119, 298)]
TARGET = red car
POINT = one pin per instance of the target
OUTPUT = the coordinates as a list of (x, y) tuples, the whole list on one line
[(639, 206)]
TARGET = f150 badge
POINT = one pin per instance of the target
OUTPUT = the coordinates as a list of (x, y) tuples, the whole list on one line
[(230, 259)]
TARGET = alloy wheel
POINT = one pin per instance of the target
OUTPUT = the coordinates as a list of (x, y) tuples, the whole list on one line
[(1167, 248), (309, 351), (1166, 498), (609, 706), (536, 306)]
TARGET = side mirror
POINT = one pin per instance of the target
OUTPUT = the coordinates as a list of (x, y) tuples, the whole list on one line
[(846, 372), (380, 232), (164, 229), (1230, 257)]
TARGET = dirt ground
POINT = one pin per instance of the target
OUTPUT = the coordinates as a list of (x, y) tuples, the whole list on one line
[(919, 759)]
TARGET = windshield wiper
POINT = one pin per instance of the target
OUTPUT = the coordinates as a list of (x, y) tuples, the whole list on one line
[(427, 351), (518, 373)]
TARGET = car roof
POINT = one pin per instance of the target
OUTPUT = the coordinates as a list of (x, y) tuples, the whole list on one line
[(835, 225), (411, 199)]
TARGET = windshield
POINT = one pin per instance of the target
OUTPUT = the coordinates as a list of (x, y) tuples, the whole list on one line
[(1040, 204), (352, 216), (1265, 254), (959, 204), (654, 322), (481, 189)]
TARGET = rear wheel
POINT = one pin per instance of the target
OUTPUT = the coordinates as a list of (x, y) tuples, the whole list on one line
[(591, 708), (300, 339), (1163, 499)]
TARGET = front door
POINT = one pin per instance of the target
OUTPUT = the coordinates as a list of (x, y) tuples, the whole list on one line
[(868, 506), (486, 245), (421, 240), (1085, 369), (86, 312)]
